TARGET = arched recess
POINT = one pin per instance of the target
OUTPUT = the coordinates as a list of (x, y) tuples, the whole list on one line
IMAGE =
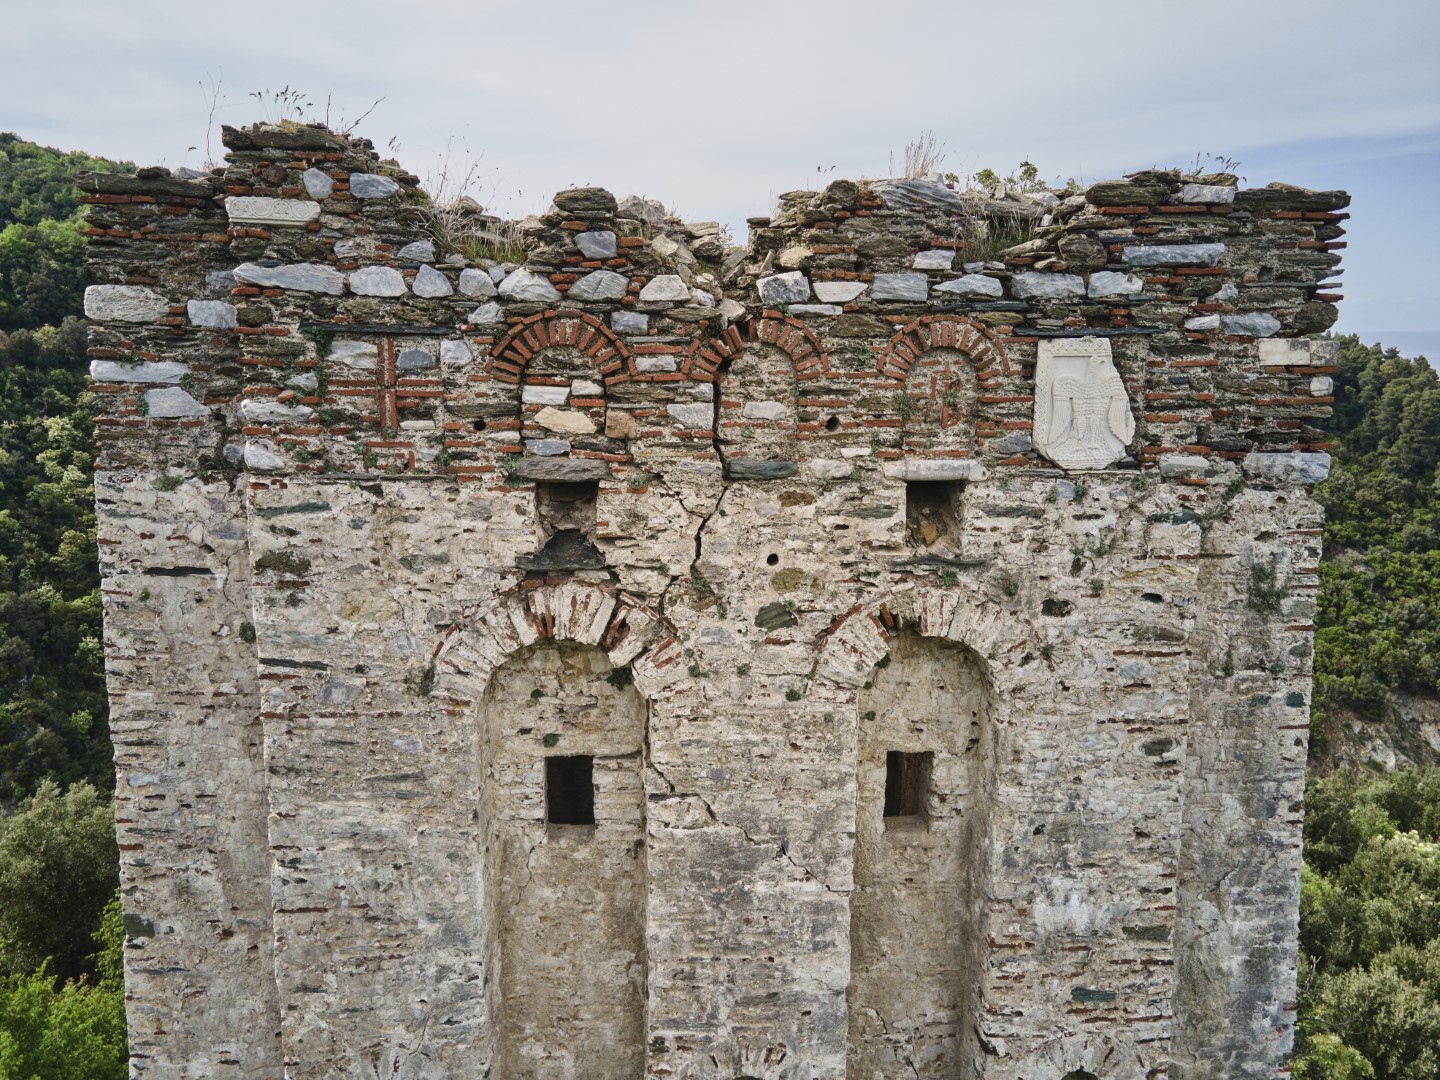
[(944, 365), (924, 781), (758, 386), (948, 670), (560, 671)]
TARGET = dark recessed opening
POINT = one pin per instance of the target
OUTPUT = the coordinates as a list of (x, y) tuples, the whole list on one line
[(570, 790), (833, 424), (1079, 1074), (566, 505), (1152, 598), (932, 513), (907, 780), (478, 425), (772, 559)]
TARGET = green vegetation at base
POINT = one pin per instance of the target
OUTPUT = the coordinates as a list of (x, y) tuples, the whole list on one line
[(1370, 928)]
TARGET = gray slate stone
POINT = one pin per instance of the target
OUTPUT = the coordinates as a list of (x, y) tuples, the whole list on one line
[(666, 288), (1011, 444), (648, 365), (585, 200), (972, 285), (301, 277), (635, 208), (562, 469), (431, 283), (377, 281), (750, 469), (372, 186), (596, 245), (547, 447), (414, 360), (476, 284), (172, 403), (417, 251), (791, 288), (1294, 468), (900, 287), (1203, 322), (599, 285), (318, 184), (125, 303), (220, 279), (1174, 254), (164, 371), (1253, 324), (213, 313), (1107, 283), (629, 322), (526, 285), (934, 259), (487, 314), (1032, 285)]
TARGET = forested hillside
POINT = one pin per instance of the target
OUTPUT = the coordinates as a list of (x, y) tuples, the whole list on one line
[(1370, 981), (61, 1002)]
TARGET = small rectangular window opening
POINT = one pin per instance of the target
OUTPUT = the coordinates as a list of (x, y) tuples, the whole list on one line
[(570, 790), (907, 782), (933, 513)]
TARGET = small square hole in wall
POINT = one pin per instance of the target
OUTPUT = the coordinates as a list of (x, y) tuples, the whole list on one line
[(562, 506), (932, 514), (907, 783), (570, 790)]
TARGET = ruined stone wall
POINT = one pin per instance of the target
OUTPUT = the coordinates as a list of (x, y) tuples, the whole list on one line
[(921, 596)]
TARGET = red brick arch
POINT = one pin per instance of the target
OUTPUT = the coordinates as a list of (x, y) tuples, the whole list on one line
[(561, 329), (790, 336), (930, 332)]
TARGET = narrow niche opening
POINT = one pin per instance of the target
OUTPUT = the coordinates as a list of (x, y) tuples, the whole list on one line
[(933, 513), (566, 506), (570, 790), (907, 784)]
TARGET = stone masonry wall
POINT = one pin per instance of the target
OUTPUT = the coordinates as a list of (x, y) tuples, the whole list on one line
[(922, 593)]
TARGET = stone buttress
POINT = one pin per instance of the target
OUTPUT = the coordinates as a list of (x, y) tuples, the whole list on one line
[(884, 651)]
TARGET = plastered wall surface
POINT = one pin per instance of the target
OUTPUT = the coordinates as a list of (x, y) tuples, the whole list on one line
[(1015, 485)]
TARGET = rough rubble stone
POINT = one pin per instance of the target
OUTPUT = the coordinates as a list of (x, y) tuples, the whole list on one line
[(431, 283), (599, 285), (216, 314), (526, 285), (377, 281), (487, 314), (372, 186), (629, 322), (596, 245), (1106, 283), (1294, 468), (301, 277), (164, 371), (125, 303), (1174, 254), (318, 184), (664, 288), (476, 284), (971, 285), (791, 288), (1254, 324), (267, 411), (838, 292), (417, 251), (935, 259), (172, 403), (900, 287), (1032, 285)]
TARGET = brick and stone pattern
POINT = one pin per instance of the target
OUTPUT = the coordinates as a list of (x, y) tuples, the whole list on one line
[(384, 529)]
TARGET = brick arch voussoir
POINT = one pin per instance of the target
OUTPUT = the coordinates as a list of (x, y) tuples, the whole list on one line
[(930, 332), (703, 358), (561, 329), (859, 639), (629, 630), (794, 338)]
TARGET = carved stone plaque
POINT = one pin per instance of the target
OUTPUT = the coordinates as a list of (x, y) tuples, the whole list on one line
[(258, 210), (1082, 412)]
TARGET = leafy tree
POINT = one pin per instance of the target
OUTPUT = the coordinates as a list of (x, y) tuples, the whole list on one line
[(70, 1032), (58, 861), (37, 183)]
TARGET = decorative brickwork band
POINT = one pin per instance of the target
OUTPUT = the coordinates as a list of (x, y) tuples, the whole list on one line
[(558, 330)]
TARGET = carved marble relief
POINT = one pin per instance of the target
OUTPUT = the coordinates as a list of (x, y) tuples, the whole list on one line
[(261, 210), (1082, 411)]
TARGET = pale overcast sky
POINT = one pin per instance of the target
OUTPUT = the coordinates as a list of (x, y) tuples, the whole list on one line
[(716, 108)]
